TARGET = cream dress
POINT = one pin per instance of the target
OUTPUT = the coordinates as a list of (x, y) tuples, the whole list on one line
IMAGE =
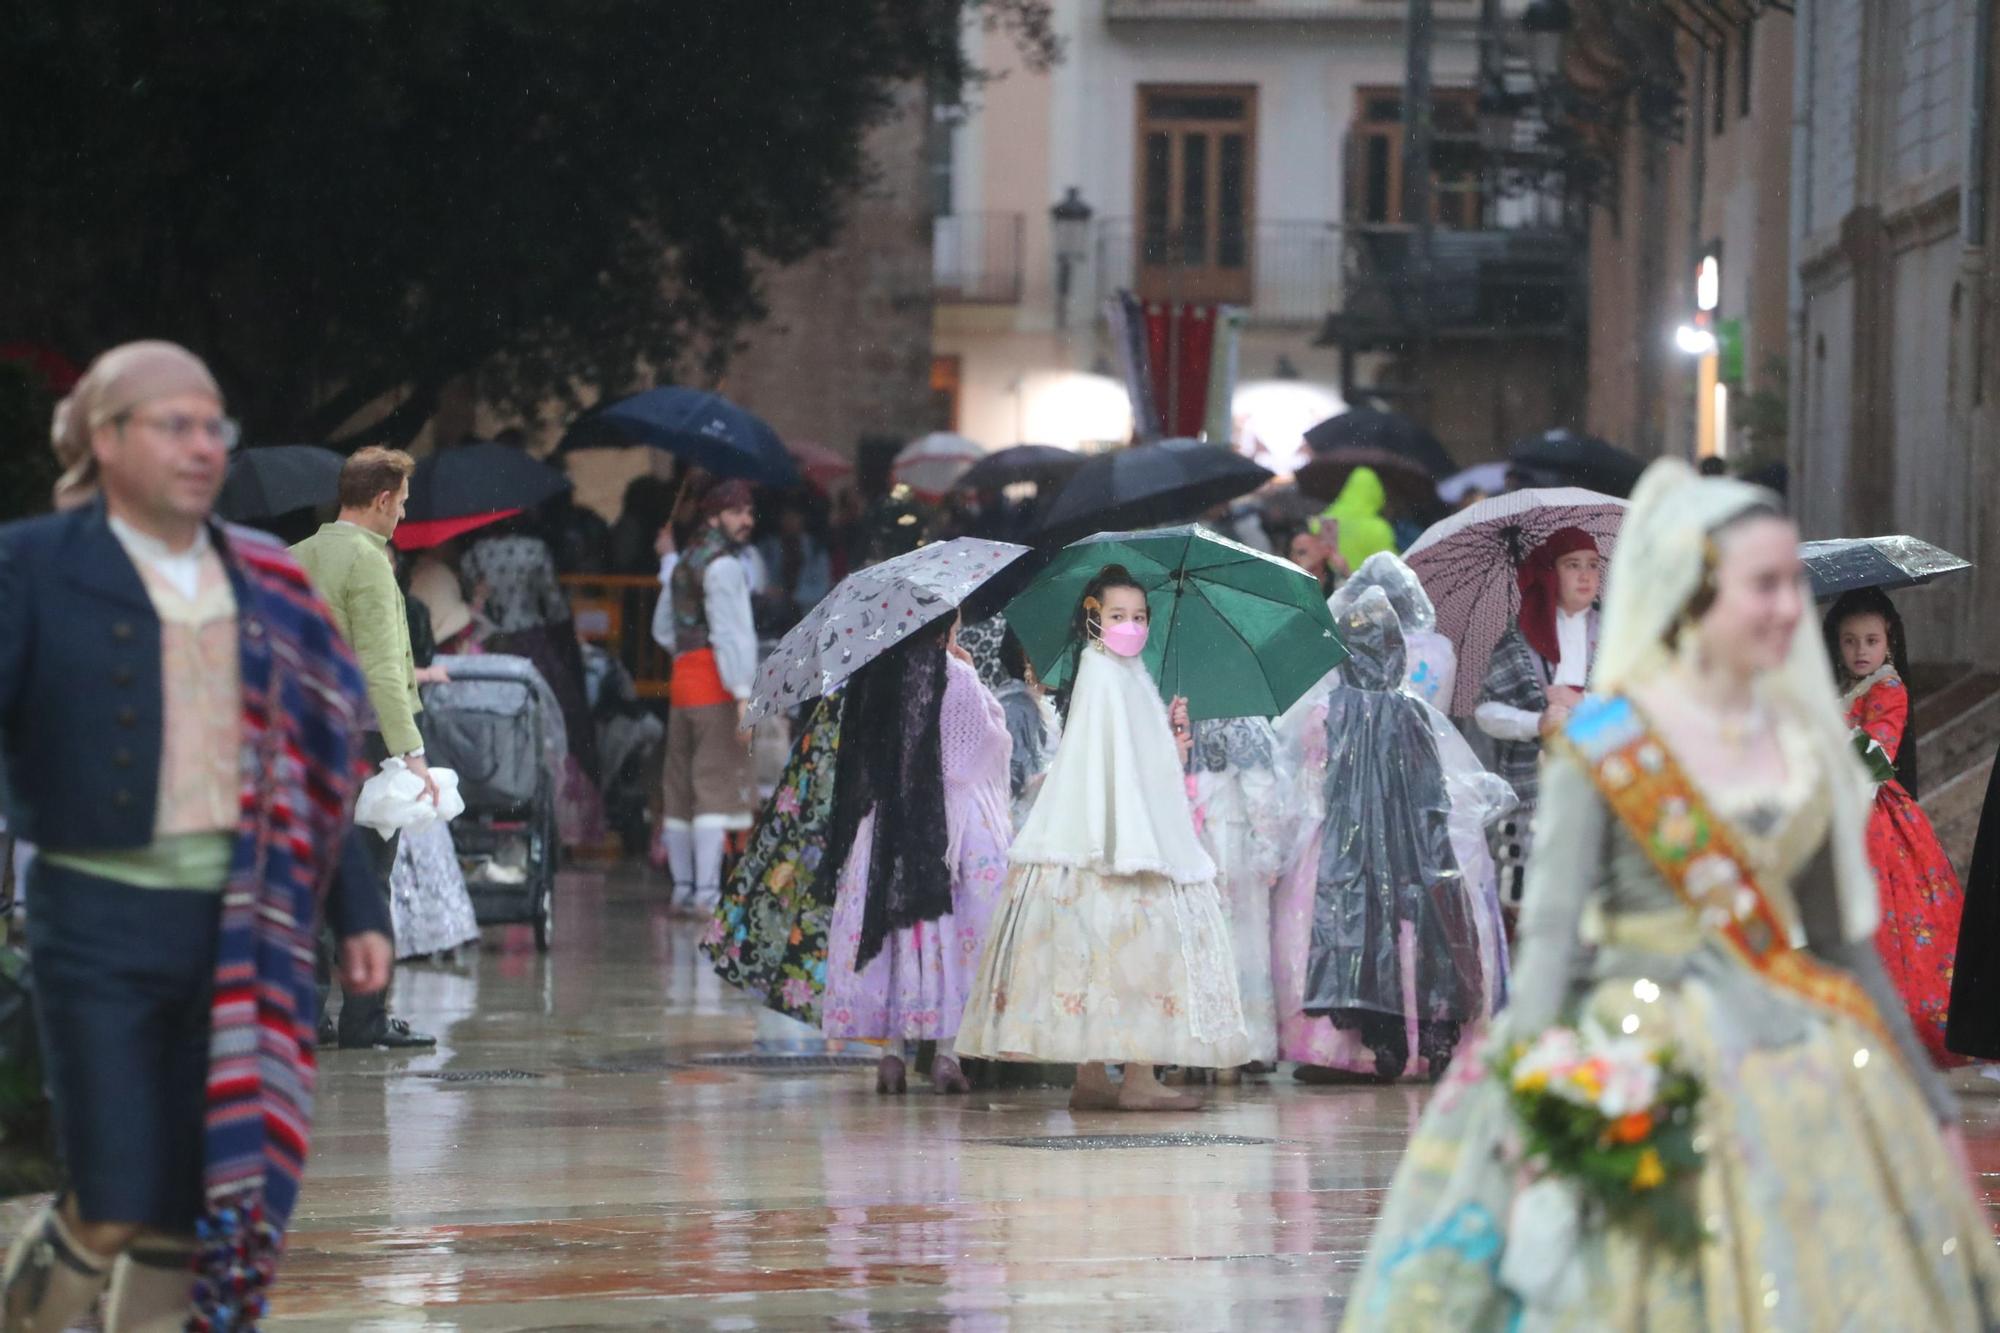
[(1111, 942), (1830, 1198)]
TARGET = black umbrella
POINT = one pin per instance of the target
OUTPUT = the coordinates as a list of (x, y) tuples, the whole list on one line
[(1383, 434), (1846, 563), (277, 479), (1413, 489), (1562, 457), (704, 428), (1039, 463), (480, 478), (1145, 485)]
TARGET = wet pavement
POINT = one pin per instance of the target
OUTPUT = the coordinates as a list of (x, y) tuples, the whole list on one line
[(578, 1167)]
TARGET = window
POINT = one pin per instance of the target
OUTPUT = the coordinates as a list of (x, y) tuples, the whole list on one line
[(1375, 185), (943, 158), (1719, 96), (1743, 63), (1196, 192)]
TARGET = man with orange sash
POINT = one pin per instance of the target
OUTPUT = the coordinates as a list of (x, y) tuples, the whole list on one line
[(705, 621)]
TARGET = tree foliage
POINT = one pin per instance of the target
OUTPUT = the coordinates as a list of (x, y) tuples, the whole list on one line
[(347, 202)]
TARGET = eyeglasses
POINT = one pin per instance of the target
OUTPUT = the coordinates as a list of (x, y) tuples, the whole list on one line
[(182, 428)]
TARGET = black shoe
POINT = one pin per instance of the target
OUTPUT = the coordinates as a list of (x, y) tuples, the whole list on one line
[(390, 1034), (329, 1035)]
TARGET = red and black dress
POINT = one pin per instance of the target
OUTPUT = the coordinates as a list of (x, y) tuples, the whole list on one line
[(1921, 897)]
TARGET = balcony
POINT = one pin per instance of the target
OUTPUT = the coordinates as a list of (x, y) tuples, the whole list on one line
[(1483, 282), (1382, 15), (976, 258), (1280, 272)]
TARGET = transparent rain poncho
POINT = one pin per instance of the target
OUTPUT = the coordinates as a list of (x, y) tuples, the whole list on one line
[(1396, 938), (1430, 668)]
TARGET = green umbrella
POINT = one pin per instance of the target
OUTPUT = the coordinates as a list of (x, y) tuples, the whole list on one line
[(1240, 633)]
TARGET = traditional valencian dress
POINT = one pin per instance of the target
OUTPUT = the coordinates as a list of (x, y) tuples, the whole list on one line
[(1111, 943), (1246, 802), (915, 987), (1921, 898), (1395, 944), (769, 933), (1317, 740), (1831, 1199)]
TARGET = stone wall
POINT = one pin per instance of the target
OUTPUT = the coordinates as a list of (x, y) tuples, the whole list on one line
[(845, 354)]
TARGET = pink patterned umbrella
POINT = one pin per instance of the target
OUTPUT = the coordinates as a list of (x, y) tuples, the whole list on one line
[(1468, 562), (871, 611), (822, 467)]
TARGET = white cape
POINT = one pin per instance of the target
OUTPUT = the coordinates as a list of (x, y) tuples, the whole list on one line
[(1115, 800)]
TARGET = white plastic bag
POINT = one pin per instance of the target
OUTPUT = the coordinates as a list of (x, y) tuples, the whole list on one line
[(393, 800)]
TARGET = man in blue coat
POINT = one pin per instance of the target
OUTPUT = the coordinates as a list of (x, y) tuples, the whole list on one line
[(178, 722)]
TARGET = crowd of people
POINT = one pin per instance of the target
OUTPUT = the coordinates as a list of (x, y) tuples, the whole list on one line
[(1727, 872)]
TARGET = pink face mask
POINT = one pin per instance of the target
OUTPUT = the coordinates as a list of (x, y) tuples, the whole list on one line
[(1127, 639)]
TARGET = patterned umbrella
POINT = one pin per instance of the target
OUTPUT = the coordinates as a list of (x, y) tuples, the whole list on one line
[(1468, 562), (932, 466), (871, 611), (1845, 563)]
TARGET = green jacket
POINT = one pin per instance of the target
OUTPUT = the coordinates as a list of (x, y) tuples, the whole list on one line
[(1358, 510), (351, 568)]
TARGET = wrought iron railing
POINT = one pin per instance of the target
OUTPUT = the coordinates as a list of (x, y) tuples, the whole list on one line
[(1283, 272), (976, 258)]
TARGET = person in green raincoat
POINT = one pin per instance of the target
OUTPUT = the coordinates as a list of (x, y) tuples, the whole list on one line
[(1358, 511)]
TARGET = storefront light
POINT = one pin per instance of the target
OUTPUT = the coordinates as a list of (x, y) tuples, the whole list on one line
[(1695, 340), (1708, 284)]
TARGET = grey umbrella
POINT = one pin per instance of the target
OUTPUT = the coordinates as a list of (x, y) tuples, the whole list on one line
[(1846, 563), (871, 611)]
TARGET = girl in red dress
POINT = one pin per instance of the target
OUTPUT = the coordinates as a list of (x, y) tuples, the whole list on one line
[(1921, 897)]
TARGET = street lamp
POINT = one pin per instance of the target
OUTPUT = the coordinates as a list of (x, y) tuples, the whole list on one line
[(1547, 23), (1070, 219)]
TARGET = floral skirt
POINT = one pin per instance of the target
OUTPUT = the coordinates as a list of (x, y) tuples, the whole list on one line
[(768, 936), (1921, 907), (1830, 1198), (916, 987), (427, 897), (1083, 967)]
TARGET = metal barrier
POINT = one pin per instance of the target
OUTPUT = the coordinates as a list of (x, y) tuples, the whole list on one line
[(616, 610)]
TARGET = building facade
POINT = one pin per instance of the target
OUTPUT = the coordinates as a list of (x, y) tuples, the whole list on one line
[(1238, 151), (1893, 342), (1690, 245)]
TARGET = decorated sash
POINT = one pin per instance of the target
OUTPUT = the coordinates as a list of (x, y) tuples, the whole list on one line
[(1697, 855)]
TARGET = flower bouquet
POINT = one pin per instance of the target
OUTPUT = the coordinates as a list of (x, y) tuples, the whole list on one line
[(1613, 1118)]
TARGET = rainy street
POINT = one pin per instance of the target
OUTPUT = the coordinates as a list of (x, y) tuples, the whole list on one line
[(567, 1160), (993, 665)]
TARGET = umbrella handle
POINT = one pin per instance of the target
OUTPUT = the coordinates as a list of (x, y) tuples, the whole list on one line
[(681, 495)]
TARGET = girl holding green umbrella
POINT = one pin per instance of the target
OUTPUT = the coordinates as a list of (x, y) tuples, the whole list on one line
[(1110, 945)]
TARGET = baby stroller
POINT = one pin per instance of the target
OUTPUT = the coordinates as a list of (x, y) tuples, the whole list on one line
[(498, 726)]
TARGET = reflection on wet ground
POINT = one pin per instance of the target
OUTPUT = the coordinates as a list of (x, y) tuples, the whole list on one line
[(585, 1177)]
